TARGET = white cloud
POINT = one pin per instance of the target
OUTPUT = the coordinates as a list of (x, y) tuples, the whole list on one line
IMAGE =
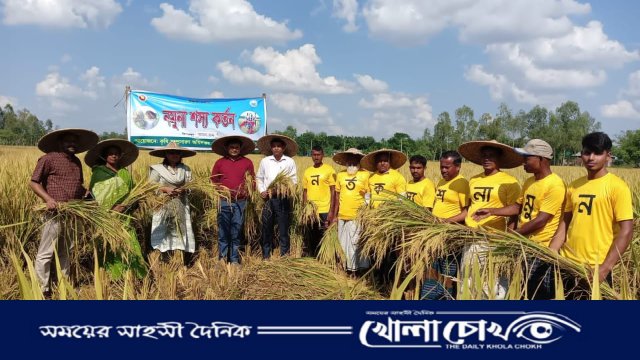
[(622, 109), (547, 67), (4, 100), (628, 107), (56, 86), (216, 95), (295, 104), (135, 80), (500, 87), (634, 85), (582, 46), (397, 112), (65, 58), (516, 20), (294, 70), (93, 78), (371, 84), (64, 95), (415, 21), (61, 13), (210, 21), (535, 50), (346, 10)]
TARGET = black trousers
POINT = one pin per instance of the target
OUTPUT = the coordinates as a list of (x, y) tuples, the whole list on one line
[(275, 211), (313, 236)]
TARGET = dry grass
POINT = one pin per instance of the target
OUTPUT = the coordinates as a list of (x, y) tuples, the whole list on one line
[(412, 232)]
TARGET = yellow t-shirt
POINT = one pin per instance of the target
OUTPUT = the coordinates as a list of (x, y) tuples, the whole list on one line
[(352, 190), (597, 205), (451, 197), (317, 182), (422, 193), (494, 191), (391, 181), (545, 195)]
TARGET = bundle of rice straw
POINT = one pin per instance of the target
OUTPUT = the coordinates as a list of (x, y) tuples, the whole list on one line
[(306, 214), (299, 279), (331, 252), (283, 187), (140, 195), (90, 219)]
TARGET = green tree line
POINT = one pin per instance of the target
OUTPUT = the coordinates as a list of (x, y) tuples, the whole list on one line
[(563, 128), (24, 128)]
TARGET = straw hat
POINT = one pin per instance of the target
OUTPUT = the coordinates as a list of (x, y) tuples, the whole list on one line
[(172, 146), (246, 144), (51, 141), (397, 159), (129, 152), (508, 160), (264, 144), (341, 157)]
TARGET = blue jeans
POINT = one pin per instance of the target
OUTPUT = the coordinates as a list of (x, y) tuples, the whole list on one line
[(230, 219), (275, 210)]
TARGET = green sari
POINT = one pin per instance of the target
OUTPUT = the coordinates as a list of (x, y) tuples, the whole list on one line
[(110, 188)]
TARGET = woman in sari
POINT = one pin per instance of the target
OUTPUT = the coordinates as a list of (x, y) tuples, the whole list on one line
[(110, 184), (171, 225)]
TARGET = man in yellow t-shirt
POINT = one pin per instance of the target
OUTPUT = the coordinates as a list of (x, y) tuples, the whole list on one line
[(351, 186), (450, 205), (319, 182), (420, 190), (384, 184), (540, 210), (598, 216), (494, 189), (385, 178)]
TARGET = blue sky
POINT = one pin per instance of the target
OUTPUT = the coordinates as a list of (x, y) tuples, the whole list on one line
[(350, 67)]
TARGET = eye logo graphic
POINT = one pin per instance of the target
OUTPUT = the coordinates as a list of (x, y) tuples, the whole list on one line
[(540, 328), (480, 331)]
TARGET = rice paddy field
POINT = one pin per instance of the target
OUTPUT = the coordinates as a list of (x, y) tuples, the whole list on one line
[(410, 232)]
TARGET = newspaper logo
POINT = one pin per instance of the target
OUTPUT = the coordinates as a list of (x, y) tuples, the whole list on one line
[(479, 331)]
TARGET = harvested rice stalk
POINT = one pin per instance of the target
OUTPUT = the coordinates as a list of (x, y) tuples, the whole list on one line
[(94, 221), (299, 279), (515, 246), (283, 187), (306, 214), (331, 252), (140, 192), (253, 210)]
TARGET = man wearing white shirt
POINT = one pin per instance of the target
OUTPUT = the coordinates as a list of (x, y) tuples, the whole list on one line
[(279, 150)]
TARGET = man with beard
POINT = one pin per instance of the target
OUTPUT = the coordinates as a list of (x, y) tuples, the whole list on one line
[(58, 178)]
